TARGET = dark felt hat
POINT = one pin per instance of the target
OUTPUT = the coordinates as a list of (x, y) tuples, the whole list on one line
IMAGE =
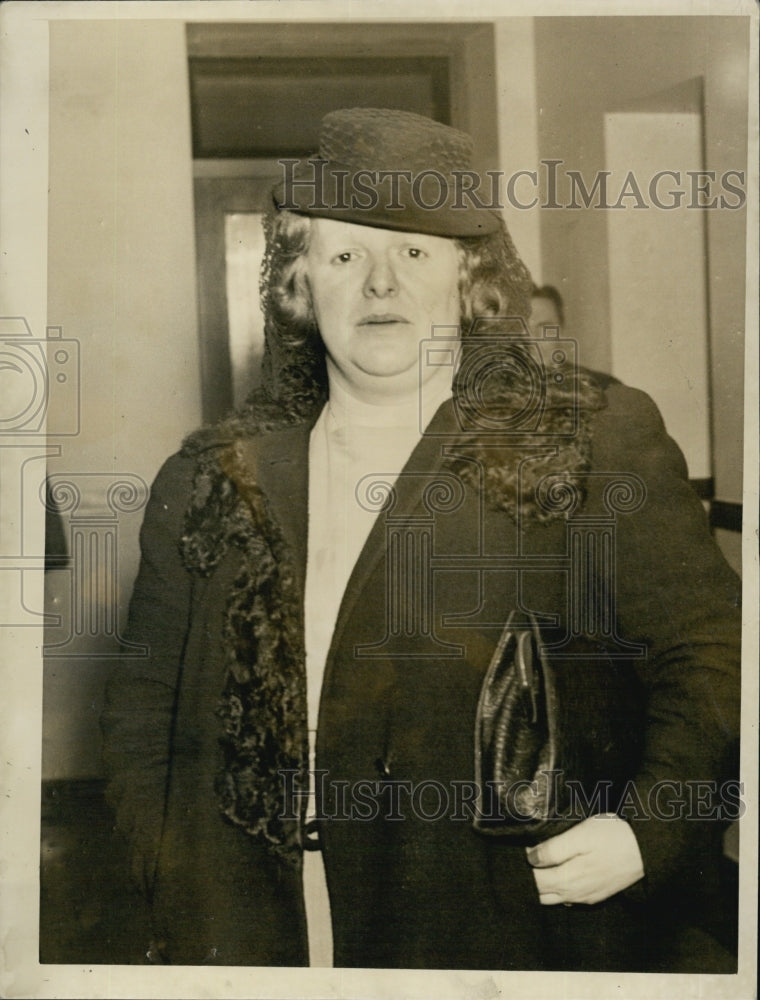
[(390, 169)]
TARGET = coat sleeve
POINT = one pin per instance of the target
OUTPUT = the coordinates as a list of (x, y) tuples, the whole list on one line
[(140, 694), (676, 595)]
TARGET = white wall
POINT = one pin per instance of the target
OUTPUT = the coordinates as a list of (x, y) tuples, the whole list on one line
[(122, 282), (586, 67), (658, 275), (518, 128)]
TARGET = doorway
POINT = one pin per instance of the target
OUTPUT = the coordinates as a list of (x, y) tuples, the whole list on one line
[(258, 93)]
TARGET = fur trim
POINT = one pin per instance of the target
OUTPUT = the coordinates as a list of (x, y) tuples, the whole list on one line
[(263, 704)]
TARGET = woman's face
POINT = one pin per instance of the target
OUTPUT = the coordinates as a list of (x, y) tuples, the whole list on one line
[(377, 294)]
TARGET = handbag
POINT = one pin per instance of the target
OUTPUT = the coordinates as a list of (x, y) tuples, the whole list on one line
[(555, 740)]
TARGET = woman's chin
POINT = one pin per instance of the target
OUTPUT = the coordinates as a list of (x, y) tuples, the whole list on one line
[(388, 366)]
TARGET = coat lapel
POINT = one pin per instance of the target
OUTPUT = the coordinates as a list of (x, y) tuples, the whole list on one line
[(281, 461), (427, 458)]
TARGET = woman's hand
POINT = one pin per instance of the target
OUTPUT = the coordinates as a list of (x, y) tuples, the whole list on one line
[(587, 863)]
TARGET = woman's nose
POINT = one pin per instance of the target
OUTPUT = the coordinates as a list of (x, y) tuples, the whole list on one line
[(381, 279)]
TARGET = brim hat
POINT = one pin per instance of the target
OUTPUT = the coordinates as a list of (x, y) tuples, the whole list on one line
[(389, 169)]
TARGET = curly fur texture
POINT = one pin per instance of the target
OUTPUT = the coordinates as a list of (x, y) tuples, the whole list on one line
[(263, 705)]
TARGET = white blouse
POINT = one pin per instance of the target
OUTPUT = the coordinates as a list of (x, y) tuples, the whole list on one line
[(350, 440)]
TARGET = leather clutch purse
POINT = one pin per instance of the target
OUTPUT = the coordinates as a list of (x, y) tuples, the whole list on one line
[(556, 739)]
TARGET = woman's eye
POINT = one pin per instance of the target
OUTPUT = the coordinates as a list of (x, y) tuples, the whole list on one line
[(345, 257), (414, 252)]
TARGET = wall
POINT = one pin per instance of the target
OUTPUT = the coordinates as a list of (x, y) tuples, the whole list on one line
[(519, 128), (122, 282), (588, 66)]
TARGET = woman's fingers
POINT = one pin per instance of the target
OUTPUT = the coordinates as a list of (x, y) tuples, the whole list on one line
[(587, 863)]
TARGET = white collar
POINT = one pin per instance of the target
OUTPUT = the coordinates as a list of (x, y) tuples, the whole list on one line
[(415, 414)]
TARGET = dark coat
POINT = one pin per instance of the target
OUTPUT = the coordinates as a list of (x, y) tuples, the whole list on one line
[(398, 704)]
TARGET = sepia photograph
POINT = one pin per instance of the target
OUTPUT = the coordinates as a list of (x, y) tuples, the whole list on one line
[(378, 499)]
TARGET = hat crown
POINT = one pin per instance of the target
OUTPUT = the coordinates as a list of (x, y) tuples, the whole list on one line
[(390, 169), (386, 139)]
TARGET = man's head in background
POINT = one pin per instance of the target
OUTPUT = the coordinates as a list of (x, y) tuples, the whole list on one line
[(547, 309)]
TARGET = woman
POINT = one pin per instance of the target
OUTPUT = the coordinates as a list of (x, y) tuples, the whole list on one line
[(331, 570)]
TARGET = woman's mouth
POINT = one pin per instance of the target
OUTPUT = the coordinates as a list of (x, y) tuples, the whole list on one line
[(381, 319)]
